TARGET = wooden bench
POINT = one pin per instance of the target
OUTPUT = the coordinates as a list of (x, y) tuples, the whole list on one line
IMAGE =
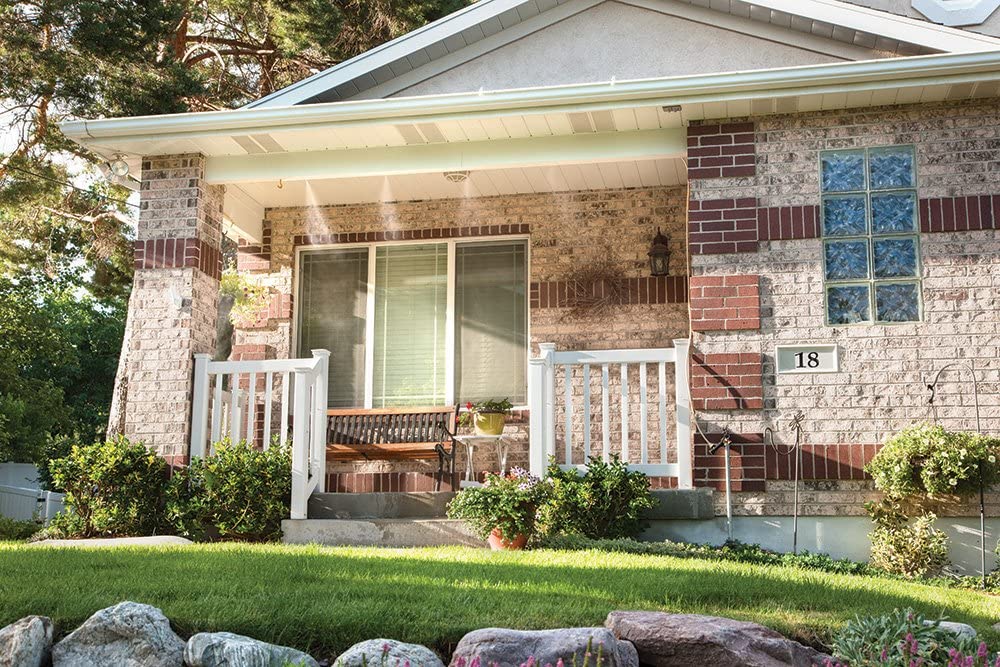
[(393, 434)]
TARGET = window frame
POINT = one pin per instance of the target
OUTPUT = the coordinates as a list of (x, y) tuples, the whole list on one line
[(870, 237), (452, 243)]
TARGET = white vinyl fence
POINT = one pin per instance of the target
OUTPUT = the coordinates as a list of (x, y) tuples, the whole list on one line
[(258, 401), (626, 398)]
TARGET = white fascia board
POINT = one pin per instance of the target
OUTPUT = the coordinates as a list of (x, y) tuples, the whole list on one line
[(432, 158), (387, 53), (884, 24), (101, 135), (956, 12)]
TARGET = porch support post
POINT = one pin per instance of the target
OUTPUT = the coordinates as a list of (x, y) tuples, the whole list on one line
[(174, 303), (682, 388)]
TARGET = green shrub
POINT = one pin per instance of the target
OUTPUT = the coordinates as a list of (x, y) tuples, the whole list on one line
[(17, 531), (509, 503), (607, 501), (901, 638), (238, 493), (114, 488), (911, 548), (925, 459)]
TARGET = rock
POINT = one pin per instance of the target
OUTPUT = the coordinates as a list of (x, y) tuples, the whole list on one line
[(128, 634), (396, 654), (961, 630), (224, 649), (514, 647), (687, 639), (26, 643)]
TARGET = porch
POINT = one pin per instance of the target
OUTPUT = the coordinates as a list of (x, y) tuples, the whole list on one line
[(599, 403)]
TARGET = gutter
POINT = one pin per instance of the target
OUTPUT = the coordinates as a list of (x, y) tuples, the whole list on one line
[(871, 74)]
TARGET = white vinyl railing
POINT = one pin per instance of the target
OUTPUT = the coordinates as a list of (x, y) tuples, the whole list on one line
[(577, 372), (259, 401)]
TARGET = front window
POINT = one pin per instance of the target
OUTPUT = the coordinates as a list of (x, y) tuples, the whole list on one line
[(417, 324), (871, 253)]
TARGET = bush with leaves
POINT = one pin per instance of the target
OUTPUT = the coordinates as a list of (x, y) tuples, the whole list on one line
[(911, 548), (608, 501), (904, 638), (509, 503), (237, 493), (113, 489)]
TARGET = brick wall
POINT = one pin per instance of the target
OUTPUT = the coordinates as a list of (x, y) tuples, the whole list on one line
[(884, 368), (567, 231), (173, 308)]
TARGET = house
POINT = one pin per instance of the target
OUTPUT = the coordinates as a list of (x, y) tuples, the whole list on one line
[(467, 212)]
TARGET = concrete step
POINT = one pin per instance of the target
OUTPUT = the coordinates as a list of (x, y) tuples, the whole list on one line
[(378, 532)]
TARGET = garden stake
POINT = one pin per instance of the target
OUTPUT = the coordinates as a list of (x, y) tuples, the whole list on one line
[(796, 449), (932, 387)]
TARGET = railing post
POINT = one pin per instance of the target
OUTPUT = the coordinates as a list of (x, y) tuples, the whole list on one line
[(319, 419), (300, 447), (199, 407), (682, 388)]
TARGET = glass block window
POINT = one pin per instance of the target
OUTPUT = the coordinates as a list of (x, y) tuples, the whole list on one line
[(871, 252)]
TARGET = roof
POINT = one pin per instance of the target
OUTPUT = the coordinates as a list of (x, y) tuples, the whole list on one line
[(488, 24)]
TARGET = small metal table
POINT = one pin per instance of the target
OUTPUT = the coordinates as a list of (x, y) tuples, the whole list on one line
[(502, 444)]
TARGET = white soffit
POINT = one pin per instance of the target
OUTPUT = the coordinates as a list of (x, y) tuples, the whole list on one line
[(956, 12)]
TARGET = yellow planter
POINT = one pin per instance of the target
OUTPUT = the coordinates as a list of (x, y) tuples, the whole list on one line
[(489, 423)]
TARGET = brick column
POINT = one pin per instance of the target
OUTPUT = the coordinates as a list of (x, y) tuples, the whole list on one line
[(174, 303)]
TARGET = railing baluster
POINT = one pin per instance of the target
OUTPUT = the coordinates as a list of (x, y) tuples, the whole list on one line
[(605, 414), (568, 398), (268, 406), (643, 415), (252, 409), (662, 386), (217, 409), (586, 412), (624, 411)]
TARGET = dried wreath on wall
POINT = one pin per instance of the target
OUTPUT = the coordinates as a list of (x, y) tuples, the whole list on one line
[(596, 287)]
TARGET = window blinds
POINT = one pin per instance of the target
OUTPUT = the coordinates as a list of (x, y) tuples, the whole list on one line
[(490, 321), (331, 308), (411, 283)]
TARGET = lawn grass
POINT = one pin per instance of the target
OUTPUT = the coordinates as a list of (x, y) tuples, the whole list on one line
[(324, 599)]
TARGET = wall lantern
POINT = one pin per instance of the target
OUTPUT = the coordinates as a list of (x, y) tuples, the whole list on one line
[(659, 255)]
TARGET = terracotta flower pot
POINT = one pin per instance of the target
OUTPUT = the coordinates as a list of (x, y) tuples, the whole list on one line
[(498, 543), (489, 423)]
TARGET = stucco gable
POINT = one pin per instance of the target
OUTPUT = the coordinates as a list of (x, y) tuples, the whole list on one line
[(615, 40)]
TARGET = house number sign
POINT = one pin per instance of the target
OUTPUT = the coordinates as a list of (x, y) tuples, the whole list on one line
[(809, 358)]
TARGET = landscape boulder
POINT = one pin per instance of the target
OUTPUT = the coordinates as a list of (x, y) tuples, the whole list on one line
[(512, 648), (388, 652), (687, 639), (26, 643), (224, 649), (128, 634)]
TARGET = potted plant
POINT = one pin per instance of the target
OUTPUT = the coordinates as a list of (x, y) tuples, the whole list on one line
[(486, 417), (503, 510)]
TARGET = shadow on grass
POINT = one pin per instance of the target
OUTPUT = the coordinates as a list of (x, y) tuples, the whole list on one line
[(323, 600)]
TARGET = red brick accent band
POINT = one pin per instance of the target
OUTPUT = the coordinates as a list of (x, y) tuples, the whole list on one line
[(719, 226), (783, 223), (727, 381), (637, 291), (960, 214), (721, 151), (251, 257), (178, 254), (752, 462), (725, 303), (410, 234)]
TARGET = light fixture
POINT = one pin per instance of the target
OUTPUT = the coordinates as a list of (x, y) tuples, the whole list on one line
[(659, 255), (457, 176), (118, 166)]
